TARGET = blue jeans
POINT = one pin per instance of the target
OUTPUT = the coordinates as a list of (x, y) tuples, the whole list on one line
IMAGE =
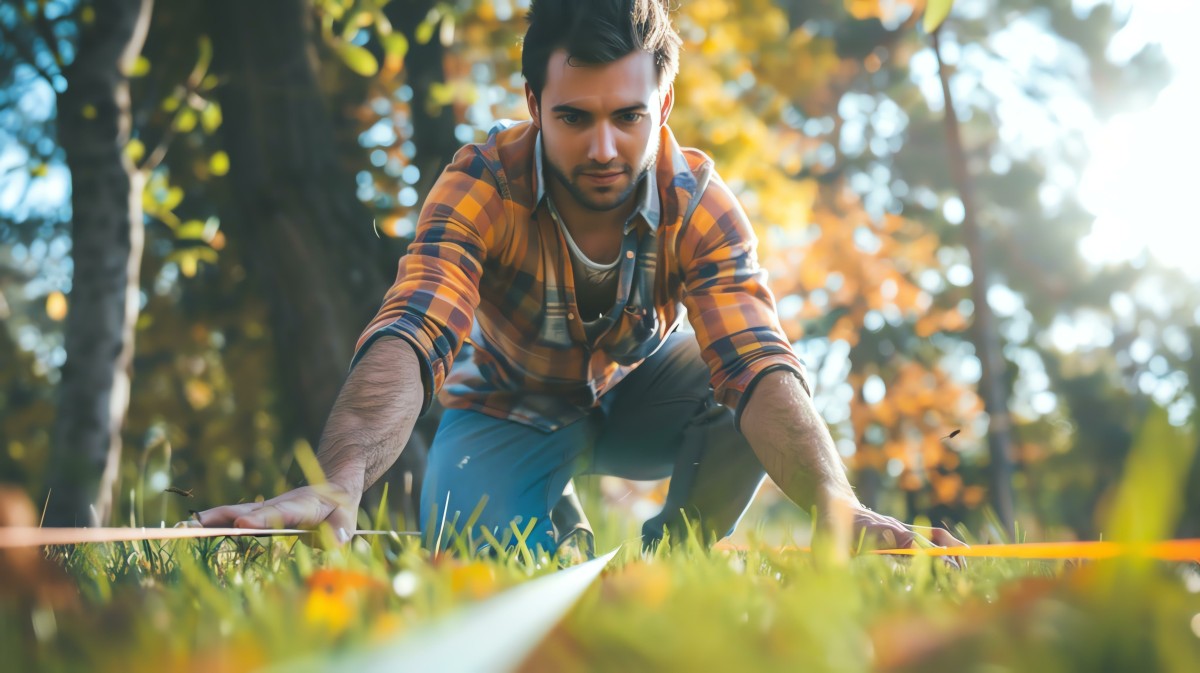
[(660, 421)]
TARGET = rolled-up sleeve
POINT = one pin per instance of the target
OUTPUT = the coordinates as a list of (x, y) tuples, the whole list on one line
[(728, 302), (432, 303)]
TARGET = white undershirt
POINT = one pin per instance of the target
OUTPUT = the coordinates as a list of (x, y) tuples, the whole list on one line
[(595, 282)]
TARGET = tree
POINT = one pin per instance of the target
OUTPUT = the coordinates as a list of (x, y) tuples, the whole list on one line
[(304, 234), (94, 122)]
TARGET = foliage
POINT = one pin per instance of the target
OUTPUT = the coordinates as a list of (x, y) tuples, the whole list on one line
[(815, 113)]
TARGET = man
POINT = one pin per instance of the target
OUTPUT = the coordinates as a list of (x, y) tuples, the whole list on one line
[(568, 250)]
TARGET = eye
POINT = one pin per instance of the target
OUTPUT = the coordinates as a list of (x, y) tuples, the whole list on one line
[(570, 118), (632, 117)]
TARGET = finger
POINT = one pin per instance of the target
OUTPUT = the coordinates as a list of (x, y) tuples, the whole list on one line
[(944, 538), (224, 516), (343, 523), (267, 516)]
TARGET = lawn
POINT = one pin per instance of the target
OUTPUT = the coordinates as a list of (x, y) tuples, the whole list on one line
[(245, 604)]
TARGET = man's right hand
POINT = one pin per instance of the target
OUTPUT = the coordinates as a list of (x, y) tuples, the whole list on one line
[(305, 507)]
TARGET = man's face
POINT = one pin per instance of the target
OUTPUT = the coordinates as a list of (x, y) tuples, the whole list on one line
[(600, 125)]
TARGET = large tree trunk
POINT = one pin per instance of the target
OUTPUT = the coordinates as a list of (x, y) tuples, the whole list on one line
[(106, 197), (309, 242), (307, 237)]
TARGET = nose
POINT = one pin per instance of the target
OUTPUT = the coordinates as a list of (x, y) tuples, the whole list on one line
[(604, 144)]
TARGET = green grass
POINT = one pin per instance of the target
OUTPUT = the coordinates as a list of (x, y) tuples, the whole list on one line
[(244, 604), (241, 604)]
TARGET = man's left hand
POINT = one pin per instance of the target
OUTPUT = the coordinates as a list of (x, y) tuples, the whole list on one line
[(880, 531)]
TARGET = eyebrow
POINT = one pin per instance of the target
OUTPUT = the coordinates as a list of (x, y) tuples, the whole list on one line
[(640, 107)]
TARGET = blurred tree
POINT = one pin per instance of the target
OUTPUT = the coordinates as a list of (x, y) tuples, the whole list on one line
[(305, 236), (94, 122), (983, 328), (826, 117)]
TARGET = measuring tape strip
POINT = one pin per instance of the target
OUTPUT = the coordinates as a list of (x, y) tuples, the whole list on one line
[(16, 537), (1167, 550)]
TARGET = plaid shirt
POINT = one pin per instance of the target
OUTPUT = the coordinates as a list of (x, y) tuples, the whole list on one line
[(488, 265)]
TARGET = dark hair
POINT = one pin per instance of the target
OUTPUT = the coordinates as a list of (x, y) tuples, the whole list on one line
[(596, 32)]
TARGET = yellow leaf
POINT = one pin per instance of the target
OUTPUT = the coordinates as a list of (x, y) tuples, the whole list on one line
[(199, 394), (141, 66), (395, 44), (210, 117), (475, 579), (936, 12), (358, 59), (335, 597), (135, 150), (188, 266), (56, 305), (172, 199), (218, 163), (186, 121), (192, 229), (863, 9)]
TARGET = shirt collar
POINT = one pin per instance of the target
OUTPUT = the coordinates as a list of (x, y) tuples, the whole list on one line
[(649, 204)]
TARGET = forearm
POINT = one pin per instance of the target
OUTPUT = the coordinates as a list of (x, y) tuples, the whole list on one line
[(373, 416), (793, 443)]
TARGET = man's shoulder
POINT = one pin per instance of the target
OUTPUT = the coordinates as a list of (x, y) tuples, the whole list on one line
[(687, 168), (506, 157), (697, 159)]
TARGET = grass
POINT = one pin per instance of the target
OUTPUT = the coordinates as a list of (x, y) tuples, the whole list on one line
[(242, 604)]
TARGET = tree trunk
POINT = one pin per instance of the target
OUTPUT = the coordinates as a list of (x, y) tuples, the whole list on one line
[(106, 197), (983, 327), (307, 237), (309, 243), (433, 127)]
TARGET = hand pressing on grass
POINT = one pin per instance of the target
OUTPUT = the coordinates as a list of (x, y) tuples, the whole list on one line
[(879, 531), (370, 423), (305, 507)]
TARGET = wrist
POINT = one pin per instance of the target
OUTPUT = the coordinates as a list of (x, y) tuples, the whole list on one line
[(349, 478), (837, 494)]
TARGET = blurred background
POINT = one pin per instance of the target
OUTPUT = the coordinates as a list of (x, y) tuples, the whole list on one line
[(981, 240)]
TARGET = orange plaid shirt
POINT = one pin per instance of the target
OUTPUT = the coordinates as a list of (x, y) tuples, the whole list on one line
[(488, 265)]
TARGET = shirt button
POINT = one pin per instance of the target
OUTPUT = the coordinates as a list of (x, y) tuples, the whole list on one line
[(629, 254), (570, 316)]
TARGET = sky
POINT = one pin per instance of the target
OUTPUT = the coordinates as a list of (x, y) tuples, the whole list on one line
[(1143, 177)]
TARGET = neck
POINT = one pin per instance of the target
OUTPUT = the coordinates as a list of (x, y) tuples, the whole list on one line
[(583, 219)]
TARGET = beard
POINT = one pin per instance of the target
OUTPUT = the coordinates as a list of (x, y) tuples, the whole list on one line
[(571, 182)]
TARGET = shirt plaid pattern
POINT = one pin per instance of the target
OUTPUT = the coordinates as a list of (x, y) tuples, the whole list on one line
[(488, 265)]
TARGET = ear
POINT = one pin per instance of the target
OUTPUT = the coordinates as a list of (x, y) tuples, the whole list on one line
[(668, 102), (532, 102)]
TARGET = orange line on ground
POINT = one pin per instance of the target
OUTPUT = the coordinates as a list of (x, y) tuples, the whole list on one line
[(1168, 550)]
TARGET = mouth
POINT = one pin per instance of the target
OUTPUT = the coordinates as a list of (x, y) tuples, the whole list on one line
[(604, 178)]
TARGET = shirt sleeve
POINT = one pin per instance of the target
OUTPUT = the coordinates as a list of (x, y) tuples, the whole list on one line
[(432, 303), (727, 299)]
